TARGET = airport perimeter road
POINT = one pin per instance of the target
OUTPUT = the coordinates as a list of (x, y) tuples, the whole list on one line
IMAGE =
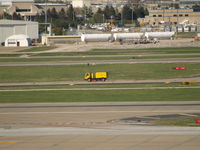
[(92, 126), (92, 62)]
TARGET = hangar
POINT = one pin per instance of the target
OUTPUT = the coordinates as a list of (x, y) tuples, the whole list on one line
[(16, 27), (18, 40)]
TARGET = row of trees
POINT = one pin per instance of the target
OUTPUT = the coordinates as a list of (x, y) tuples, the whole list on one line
[(14, 16), (86, 14), (72, 17)]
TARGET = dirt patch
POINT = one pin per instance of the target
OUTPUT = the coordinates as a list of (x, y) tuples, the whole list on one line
[(78, 47), (8, 50)]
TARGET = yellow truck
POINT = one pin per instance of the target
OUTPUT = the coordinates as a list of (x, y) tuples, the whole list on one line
[(102, 76)]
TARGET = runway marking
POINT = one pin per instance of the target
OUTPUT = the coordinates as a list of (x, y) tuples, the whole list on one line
[(121, 130), (95, 89), (9, 142), (91, 112)]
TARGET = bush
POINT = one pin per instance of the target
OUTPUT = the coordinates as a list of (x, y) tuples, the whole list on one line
[(3, 44)]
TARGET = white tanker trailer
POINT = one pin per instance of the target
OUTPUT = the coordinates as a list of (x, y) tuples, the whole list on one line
[(127, 36), (159, 35), (96, 37)]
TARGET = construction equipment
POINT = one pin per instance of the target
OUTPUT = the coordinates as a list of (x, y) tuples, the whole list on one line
[(197, 37), (102, 76)]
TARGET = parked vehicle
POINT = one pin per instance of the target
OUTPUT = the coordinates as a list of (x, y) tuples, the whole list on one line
[(97, 76)]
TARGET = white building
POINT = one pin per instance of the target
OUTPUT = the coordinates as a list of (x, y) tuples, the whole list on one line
[(15, 27), (9, 2), (18, 40), (81, 3)]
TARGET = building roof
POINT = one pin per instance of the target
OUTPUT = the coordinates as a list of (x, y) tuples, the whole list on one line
[(18, 37), (8, 22)]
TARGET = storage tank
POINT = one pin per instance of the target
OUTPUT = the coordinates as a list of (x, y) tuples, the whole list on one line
[(96, 37), (163, 35), (124, 36)]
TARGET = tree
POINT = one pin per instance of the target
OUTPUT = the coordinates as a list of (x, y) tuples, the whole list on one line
[(40, 17), (99, 11), (109, 12), (97, 18), (175, 5), (127, 12), (54, 13), (7, 16), (70, 13), (16, 16), (106, 12), (62, 14), (196, 8), (89, 13), (140, 12), (49, 14), (112, 11)]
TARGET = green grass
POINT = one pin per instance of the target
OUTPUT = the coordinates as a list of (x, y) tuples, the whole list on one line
[(36, 49), (189, 121), (76, 73), (100, 96), (10, 55)]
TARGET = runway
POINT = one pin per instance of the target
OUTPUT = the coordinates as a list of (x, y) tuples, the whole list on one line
[(93, 62), (92, 126)]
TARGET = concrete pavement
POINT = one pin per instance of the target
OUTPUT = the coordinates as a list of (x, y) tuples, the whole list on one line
[(81, 127)]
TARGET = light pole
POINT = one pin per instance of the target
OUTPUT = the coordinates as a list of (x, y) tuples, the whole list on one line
[(122, 16), (132, 12), (45, 16)]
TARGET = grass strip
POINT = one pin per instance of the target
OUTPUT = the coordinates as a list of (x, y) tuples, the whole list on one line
[(100, 96), (188, 121), (76, 73)]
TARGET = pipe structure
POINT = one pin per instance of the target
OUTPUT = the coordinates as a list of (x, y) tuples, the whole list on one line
[(166, 35), (125, 36), (96, 37)]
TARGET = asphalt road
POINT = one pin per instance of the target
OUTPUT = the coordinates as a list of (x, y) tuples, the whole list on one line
[(95, 62), (91, 126)]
